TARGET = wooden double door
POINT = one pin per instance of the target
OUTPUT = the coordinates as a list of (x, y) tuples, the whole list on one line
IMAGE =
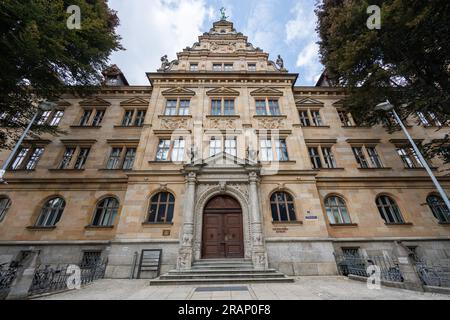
[(222, 229)]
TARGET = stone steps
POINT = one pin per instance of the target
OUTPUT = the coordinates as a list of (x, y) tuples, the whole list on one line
[(217, 271)]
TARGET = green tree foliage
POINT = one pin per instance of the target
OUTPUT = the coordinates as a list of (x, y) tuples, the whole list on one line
[(41, 58), (406, 61)]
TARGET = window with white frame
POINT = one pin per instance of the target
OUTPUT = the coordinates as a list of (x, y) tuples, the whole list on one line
[(218, 145), (310, 118), (27, 158), (177, 107), (133, 117), (346, 118), (51, 212), (106, 212), (337, 210), (322, 157), (268, 106), (273, 150), (171, 150), (409, 157), (367, 157), (70, 161), (193, 67), (389, 210), (223, 107), (252, 67), (51, 118), (121, 158), (429, 119)]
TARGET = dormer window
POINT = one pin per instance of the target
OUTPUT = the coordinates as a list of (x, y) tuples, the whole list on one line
[(217, 67), (252, 67), (228, 67)]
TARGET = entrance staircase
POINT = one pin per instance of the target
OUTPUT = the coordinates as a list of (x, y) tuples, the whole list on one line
[(217, 271)]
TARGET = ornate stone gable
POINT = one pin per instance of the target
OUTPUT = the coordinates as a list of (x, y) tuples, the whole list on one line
[(177, 92), (221, 92), (266, 92), (95, 102), (307, 102), (138, 102)]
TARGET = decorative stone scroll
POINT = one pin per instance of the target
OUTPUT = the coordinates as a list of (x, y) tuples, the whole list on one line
[(217, 123), (174, 124), (271, 124)]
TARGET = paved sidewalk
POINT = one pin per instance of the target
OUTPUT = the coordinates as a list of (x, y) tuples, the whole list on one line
[(304, 288)]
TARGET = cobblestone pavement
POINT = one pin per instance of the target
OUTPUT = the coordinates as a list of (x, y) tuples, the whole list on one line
[(304, 288)]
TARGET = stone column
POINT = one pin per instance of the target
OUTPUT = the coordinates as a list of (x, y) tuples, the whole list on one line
[(407, 267), (259, 255), (185, 254)]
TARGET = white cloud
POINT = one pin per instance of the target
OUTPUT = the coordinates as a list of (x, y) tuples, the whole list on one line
[(308, 61), (303, 24), (151, 29)]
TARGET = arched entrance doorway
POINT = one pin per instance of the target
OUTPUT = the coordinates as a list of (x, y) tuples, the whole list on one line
[(222, 229)]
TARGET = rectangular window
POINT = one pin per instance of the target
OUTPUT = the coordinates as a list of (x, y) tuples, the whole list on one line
[(19, 158), (282, 151), (44, 117), (178, 150), (194, 67), (67, 158), (114, 159), (85, 118), (423, 119), (231, 147), (252, 67), (409, 157), (171, 108), (261, 108), (375, 159), (128, 118), (217, 67), (315, 157), (163, 150), (317, 119), (184, 107), (229, 107), (98, 118), (328, 157), (274, 108), (128, 161), (216, 107), (228, 67), (345, 119), (360, 157), (82, 158), (304, 119), (34, 158), (215, 147), (57, 117), (266, 150), (140, 118)]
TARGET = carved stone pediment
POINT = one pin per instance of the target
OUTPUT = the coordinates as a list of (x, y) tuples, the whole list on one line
[(223, 92), (95, 102), (135, 102), (308, 102), (225, 160), (266, 92), (271, 124), (174, 124), (179, 91)]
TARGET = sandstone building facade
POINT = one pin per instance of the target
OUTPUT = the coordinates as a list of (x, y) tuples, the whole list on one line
[(221, 156)]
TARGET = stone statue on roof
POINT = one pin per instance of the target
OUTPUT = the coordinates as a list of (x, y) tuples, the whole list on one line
[(223, 13)]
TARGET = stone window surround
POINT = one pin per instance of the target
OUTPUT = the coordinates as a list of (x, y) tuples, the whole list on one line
[(268, 112), (134, 117), (311, 119), (364, 144), (31, 145), (177, 109), (77, 145), (320, 144), (222, 106), (51, 116), (90, 121), (124, 145), (171, 147)]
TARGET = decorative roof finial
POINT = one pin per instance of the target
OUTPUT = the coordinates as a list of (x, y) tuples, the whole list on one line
[(223, 13)]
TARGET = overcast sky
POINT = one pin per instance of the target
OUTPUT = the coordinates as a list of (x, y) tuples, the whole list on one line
[(153, 28)]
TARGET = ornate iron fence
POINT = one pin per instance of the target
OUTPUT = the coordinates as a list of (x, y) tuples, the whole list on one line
[(8, 273), (357, 265), (51, 278), (435, 274)]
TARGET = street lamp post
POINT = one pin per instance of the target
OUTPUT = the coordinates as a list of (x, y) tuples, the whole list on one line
[(387, 106), (44, 106)]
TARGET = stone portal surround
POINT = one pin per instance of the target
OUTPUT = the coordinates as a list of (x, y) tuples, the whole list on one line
[(196, 197)]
